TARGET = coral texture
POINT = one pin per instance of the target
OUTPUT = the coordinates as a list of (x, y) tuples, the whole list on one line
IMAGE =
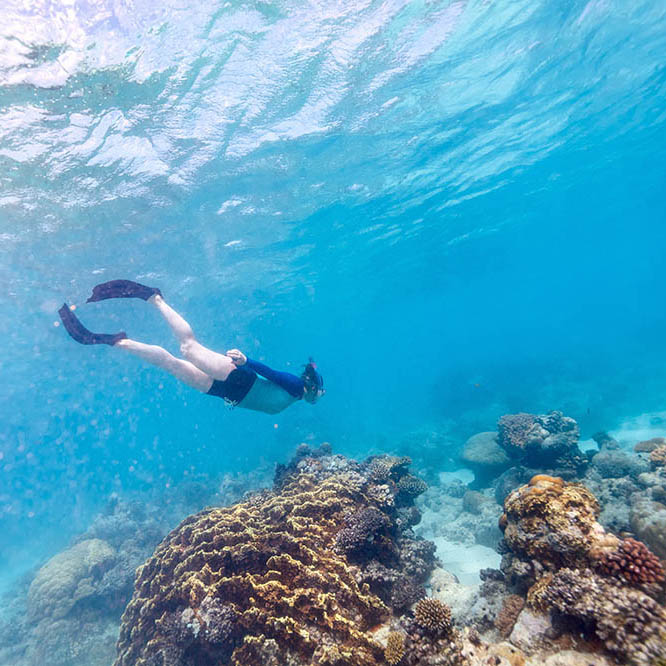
[(514, 432), (395, 648), (68, 578), (433, 615), (634, 563), (411, 486), (551, 521), (360, 529), (658, 456), (543, 440), (268, 580), (384, 468), (508, 615), (649, 445), (631, 624), (615, 463), (578, 570)]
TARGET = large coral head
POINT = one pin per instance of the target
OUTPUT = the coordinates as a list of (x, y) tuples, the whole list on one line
[(552, 521)]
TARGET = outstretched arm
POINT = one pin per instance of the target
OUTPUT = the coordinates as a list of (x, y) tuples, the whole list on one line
[(290, 383)]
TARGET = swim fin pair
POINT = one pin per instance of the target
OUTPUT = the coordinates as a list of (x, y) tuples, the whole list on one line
[(101, 292)]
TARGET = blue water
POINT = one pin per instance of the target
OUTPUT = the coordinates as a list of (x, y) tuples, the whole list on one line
[(456, 207)]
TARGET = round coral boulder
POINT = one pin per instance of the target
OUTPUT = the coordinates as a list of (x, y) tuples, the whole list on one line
[(552, 521), (67, 578), (298, 575)]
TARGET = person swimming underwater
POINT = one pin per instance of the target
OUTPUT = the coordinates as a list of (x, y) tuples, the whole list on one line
[(238, 380)]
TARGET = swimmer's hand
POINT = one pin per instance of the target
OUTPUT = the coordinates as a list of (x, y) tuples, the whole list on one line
[(237, 357)]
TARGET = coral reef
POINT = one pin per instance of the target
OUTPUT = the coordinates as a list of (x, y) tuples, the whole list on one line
[(426, 649), (78, 624), (383, 468), (299, 574), (649, 445), (546, 441), (549, 524), (361, 528), (510, 480), (411, 486), (615, 463), (555, 547), (613, 495), (470, 518), (631, 624)]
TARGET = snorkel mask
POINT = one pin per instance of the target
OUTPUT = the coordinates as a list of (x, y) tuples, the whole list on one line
[(314, 382)]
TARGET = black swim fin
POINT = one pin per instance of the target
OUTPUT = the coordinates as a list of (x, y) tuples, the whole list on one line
[(122, 289), (81, 334)]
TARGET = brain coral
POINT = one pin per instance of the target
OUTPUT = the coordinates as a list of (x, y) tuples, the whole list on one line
[(68, 578), (266, 581)]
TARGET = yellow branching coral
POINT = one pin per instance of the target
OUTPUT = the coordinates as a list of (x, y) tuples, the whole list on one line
[(258, 578), (395, 648)]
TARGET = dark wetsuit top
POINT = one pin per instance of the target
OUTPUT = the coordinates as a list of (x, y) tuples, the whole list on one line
[(240, 380)]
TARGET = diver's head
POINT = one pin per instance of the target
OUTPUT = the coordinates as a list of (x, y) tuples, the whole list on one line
[(313, 383)]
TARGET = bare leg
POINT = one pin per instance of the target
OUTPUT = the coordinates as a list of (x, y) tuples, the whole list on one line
[(217, 366), (183, 370)]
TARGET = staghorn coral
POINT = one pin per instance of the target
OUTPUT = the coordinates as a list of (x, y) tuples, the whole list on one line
[(658, 456), (630, 623), (508, 614), (267, 581), (634, 563), (395, 648), (433, 616)]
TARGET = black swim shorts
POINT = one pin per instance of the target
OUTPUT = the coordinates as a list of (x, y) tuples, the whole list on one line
[(235, 387)]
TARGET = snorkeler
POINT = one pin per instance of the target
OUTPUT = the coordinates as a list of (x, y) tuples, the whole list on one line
[(238, 380)]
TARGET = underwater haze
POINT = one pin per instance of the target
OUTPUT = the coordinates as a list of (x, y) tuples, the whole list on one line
[(456, 208)]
